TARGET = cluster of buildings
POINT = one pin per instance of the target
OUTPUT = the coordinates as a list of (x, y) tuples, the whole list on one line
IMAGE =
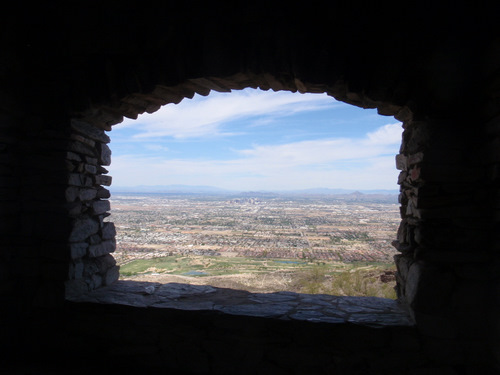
[(317, 229)]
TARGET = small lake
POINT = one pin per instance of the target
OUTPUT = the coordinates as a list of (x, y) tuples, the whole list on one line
[(195, 273)]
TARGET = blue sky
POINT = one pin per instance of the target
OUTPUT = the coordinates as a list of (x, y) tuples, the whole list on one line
[(258, 140)]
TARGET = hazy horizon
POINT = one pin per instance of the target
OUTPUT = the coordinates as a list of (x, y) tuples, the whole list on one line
[(201, 188)]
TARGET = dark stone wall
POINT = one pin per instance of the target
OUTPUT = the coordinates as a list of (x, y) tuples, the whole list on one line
[(436, 68), (115, 339), (448, 266), (429, 58)]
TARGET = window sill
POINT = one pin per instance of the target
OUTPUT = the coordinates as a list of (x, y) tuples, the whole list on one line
[(321, 308)]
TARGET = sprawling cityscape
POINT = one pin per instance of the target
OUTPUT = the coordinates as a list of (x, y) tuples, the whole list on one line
[(329, 228), (159, 232)]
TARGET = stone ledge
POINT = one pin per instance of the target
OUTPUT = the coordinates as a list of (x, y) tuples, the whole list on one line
[(365, 311)]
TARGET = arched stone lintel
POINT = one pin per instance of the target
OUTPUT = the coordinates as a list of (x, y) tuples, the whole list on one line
[(133, 105)]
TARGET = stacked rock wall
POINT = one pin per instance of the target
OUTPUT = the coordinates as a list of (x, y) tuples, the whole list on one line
[(447, 269), (91, 239)]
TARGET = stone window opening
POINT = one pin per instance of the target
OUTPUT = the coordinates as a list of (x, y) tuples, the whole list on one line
[(436, 71), (94, 273), (319, 131)]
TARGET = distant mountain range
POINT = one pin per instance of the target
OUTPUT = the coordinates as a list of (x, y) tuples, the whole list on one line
[(180, 189), (201, 189)]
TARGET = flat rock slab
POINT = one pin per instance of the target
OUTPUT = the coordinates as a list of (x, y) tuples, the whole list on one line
[(321, 308)]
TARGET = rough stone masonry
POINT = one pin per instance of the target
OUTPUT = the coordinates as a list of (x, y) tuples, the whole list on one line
[(92, 240)]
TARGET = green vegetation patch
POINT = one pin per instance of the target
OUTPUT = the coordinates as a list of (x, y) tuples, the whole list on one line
[(356, 279), (210, 266), (162, 264), (312, 277)]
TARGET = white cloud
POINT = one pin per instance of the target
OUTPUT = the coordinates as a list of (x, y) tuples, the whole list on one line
[(378, 173), (366, 163), (385, 135), (156, 147), (206, 116), (349, 162), (329, 150)]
